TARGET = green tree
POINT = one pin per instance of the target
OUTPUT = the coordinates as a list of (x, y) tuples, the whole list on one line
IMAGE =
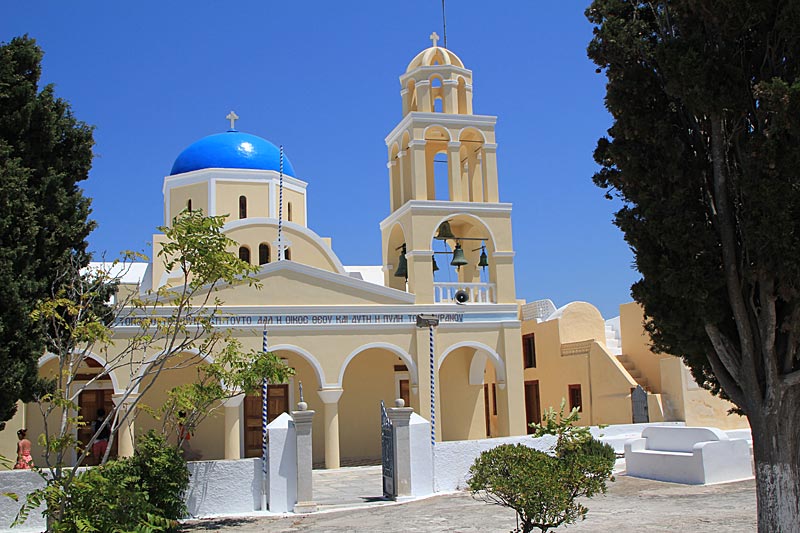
[(542, 487), (44, 154), (704, 153), (144, 334)]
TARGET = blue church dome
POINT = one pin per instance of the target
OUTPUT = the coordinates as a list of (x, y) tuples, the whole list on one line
[(232, 149)]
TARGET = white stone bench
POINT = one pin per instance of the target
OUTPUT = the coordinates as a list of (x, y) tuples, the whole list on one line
[(690, 455)]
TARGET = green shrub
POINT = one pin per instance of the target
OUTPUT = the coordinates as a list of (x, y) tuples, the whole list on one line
[(162, 472), (143, 493), (540, 487)]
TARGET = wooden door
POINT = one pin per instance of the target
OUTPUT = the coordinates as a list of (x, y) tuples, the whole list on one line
[(277, 403), (533, 411), (486, 414), (89, 402)]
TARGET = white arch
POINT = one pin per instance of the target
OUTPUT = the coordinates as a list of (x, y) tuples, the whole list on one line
[(402, 354), (308, 357), (48, 356), (483, 224), (471, 128), (147, 363), (497, 361), (425, 132)]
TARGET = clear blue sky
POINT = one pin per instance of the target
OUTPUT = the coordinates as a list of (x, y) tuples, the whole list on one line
[(321, 78)]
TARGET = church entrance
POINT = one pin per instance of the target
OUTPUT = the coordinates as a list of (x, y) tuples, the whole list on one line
[(277, 403), (89, 402)]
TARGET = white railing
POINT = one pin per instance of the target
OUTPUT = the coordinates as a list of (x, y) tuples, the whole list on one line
[(483, 293)]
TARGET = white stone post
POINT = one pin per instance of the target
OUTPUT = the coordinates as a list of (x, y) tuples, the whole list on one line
[(305, 492), (400, 417)]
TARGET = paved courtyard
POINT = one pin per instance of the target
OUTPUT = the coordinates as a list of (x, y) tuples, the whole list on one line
[(350, 501)]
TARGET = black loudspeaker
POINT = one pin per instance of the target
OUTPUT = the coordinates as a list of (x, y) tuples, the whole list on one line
[(461, 297)]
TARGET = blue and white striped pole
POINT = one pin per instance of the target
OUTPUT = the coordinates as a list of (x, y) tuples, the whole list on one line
[(281, 251), (264, 422), (433, 391)]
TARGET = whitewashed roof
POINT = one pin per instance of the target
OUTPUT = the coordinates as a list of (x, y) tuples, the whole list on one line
[(370, 273), (132, 272)]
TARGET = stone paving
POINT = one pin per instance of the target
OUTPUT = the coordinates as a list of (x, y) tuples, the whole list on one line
[(350, 501)]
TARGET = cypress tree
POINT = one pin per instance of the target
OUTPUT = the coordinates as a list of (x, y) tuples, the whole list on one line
[(45, 152)]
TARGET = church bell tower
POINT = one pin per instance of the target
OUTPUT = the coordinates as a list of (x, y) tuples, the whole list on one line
[(444, 198)]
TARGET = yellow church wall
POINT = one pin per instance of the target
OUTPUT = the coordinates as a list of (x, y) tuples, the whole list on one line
[(292, 288), (179, 197), (206, 439), (581, 321), (305, 374), (462, 407), (581, 360), (685, 400), (609, 388), (298, 208), (227, 197), (303, 248), (636, 345), (368, 379)]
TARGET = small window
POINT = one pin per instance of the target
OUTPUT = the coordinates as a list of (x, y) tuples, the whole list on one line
[(575, 399), (189, 205), (263, 253), (244, 254), (405, 393), (287, 254), (529, 350), (289, 211), (437, 105), (243, 207), (494, 398)]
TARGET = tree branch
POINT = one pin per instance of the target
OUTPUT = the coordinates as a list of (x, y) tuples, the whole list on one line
[(723, 363), (726, 226)]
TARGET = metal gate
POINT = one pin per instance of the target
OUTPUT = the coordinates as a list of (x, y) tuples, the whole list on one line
[(639, 405), (387, 455)]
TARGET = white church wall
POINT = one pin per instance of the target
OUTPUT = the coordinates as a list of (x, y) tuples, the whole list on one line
[(223, 487), (19, 482), (453, 459)]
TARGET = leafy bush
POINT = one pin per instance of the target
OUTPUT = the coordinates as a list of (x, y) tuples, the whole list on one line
[(143, 493), (542, 487), (161, 469)]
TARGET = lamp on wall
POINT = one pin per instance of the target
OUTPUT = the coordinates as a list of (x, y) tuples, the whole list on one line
[(445, 233)]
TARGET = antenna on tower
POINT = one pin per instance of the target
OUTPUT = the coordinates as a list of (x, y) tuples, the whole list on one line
[(444, 25)]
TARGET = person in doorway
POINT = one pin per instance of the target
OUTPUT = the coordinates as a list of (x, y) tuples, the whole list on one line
[(101, 444), (184, 436), (24, 458)]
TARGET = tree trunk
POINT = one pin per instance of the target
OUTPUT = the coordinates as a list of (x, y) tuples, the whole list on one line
[(777, 464)]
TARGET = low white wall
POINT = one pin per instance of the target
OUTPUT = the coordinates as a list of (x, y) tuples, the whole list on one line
[(421, 457), (215, 487), (224, 487), (282, 442), (19, 482), (453, 459), (618, 434)]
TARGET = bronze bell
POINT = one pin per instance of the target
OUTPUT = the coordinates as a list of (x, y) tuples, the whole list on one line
[(458, 257), (435, 266), (484, 260), (444, 232), (402, 265)]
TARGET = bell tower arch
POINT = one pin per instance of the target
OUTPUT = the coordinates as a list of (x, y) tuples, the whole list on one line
[(442, 167)]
